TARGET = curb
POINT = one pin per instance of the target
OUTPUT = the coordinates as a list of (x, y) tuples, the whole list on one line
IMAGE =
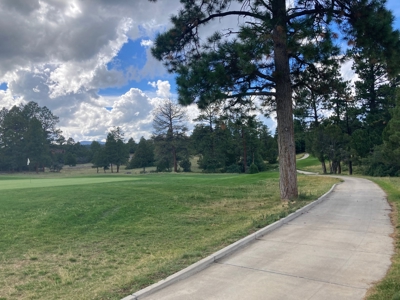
[(206, 262)]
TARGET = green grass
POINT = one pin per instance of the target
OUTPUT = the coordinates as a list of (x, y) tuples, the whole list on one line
[(12, 183), (107, 236), (310, 164), (389, 287)]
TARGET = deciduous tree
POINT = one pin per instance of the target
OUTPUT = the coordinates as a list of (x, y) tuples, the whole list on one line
[(169, 123)]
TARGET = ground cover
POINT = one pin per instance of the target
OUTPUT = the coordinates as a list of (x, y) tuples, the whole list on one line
[(106, 239), (389, 287), (310, 164)]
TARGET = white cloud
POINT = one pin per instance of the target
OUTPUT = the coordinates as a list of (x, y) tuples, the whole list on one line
[(146, 43), (57, 53)]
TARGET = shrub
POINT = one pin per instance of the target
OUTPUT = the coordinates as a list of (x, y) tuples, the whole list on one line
[(233, 169), (253, 169), (185, 165)]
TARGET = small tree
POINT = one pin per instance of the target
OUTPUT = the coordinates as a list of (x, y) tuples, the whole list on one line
[(169, 132)]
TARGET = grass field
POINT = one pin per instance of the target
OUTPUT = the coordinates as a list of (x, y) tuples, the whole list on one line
[(108, 235)]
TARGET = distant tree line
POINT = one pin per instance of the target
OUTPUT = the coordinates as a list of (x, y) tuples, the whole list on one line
[(225, 139), (343, 128)]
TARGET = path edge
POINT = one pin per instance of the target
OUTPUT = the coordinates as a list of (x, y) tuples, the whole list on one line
[(228, 250)]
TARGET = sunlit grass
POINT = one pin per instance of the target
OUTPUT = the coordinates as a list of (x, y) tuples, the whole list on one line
[(107, 238), (310, 164)]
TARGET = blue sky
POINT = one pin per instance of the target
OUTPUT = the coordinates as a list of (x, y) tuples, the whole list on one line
[(90, 62)]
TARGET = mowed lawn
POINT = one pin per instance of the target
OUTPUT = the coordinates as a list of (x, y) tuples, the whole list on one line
[(104, 237)]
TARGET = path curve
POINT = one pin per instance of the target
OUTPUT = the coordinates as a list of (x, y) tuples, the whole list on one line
[(335, 251), (306, 155)]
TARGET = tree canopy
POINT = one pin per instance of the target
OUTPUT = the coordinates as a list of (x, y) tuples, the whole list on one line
[(266, 53)]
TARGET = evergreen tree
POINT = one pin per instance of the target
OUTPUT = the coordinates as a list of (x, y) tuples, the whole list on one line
[(144, 155), (36, 145), (70, 159), (265, 55), (100, 159), (117, 152), (391, 136), (13, 129), (132, 145)]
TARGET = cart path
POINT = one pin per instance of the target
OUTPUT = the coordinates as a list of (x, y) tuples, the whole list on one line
[(335, 251)]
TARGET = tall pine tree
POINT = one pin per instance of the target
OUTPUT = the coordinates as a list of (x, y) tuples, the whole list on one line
[(264, 56)]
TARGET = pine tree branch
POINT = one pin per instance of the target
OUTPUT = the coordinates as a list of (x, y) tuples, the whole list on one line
[(224, 14)]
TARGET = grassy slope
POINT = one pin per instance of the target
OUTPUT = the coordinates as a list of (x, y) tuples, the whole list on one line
[(389, 287), (310, 164), (105, 240)]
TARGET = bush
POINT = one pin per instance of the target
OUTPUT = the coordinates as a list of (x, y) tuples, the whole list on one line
[(185, 165), (396, 296), (56, 167), (253, 169), (233, 169)]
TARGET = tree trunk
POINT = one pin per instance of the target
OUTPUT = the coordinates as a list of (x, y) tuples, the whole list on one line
[(244, 152), (111, 165), (323, 167), (339, 167), (287, 151), (175, 164), (117, 168), (350, 167)]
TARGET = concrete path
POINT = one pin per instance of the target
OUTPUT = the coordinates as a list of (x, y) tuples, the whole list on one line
[(306, 155), (335, 251)]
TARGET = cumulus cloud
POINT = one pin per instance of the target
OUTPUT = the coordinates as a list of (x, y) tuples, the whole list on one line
[(58, 54), (61, 54), (146, 43)]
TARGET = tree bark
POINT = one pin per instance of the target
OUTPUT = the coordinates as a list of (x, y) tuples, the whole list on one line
[(350, 167), (284, 109), (323, 167), (175, 164), (244, 152)]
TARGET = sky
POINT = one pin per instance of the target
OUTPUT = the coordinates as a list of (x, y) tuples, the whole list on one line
[(89, 62)]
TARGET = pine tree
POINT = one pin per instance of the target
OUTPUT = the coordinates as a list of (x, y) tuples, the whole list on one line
[(264, 56), (36, 145), (391, 138), (116, 150), (144, 155)]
